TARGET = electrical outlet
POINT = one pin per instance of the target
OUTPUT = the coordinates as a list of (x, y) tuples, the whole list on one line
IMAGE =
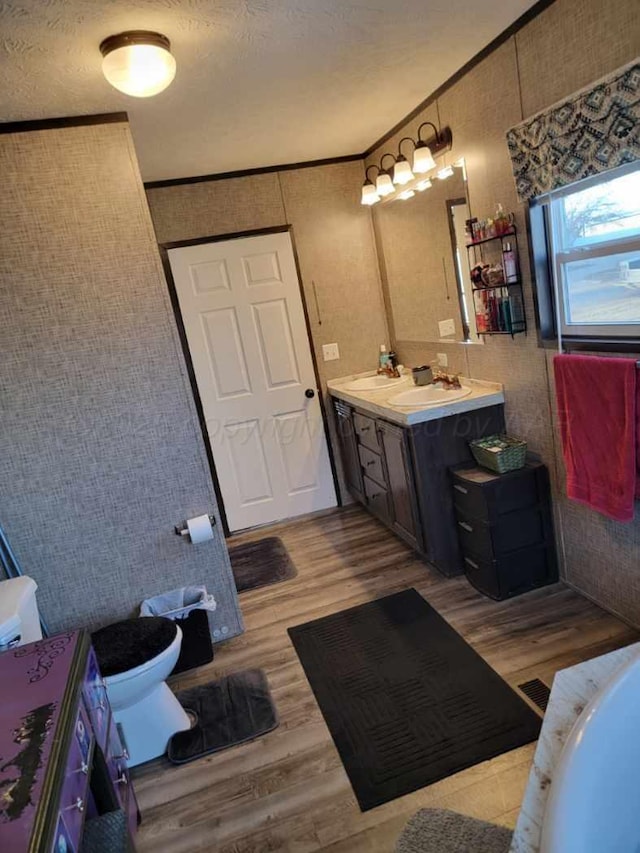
[(443, 359), (330, 352), (447, 327)]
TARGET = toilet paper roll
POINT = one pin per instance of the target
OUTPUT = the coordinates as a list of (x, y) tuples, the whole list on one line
[(200, 529)]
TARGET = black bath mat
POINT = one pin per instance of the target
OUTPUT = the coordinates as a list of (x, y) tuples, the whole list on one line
[(230, 711), (261, 563), (406, 699)]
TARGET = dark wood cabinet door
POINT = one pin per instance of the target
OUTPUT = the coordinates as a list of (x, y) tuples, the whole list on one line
[(401, 489), (349, 449)]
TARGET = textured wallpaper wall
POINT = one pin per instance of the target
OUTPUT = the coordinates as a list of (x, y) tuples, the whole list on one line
[(101, 452), (568, 46)]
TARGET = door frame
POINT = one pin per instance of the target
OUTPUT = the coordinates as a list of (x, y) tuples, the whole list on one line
[(173, 295)]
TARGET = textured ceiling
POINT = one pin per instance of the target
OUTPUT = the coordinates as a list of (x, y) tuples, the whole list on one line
[(259, 82)]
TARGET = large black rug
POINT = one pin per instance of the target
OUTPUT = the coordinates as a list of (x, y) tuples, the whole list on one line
[(406, 699), (261, 563)]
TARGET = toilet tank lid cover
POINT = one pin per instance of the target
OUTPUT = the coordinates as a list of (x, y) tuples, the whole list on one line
[(14, 594)]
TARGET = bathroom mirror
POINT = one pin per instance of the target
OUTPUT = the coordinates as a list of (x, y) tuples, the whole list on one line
[(425, 266)]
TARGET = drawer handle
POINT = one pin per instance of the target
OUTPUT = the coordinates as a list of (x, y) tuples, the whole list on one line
[(122, 780), (465, 526), (461, 489), (471, 563), (84, 768), (371, 462), (377, 495), (79, 805), (365, 429)]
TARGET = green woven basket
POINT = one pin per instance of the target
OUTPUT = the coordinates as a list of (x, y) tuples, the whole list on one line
[(499, 453)]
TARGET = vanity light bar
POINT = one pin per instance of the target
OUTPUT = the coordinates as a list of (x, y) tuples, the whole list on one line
[(403, 179)]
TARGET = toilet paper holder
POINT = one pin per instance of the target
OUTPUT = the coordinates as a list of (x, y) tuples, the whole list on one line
[(182, 529)]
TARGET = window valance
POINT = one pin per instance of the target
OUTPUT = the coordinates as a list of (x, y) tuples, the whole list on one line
[(589, 132)]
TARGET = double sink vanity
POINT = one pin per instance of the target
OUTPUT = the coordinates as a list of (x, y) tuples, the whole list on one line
[(397, 443)]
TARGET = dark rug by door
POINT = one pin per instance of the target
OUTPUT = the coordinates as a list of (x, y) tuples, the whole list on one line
[(261, 563), (406, 699), (227, 712)]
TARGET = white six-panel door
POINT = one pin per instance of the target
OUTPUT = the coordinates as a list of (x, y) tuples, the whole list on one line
[(243, 316)]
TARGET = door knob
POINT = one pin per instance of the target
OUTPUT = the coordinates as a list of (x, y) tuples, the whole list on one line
[(309, 393)]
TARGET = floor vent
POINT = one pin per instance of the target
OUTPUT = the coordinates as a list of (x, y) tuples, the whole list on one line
[(537, 691)]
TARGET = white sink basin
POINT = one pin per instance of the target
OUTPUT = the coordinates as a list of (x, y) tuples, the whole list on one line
[(373, 383), (428, 395), (593, 800)]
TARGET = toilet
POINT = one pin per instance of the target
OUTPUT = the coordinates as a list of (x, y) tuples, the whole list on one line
[(19, 618), (136, 657)]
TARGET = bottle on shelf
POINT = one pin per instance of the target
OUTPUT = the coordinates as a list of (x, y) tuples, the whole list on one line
[(510, 262), (501, 221)]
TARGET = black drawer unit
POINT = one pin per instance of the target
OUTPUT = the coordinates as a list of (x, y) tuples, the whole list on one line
[(505, 528)]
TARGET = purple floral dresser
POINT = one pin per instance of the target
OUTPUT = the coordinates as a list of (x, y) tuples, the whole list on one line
[(62, 762)]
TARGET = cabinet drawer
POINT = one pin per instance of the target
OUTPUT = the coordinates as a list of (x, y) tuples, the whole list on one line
[(512, 574), (117, 764), (366, 431), (518, 530), (488, 496), (75, 788), (372, 465), (377, 499)]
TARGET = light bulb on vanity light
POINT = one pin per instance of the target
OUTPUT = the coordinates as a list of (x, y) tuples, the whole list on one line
[(384, 184), (406, 194), (444, 173), (369, 194), (423, 159), (423, 185), (402, 173)]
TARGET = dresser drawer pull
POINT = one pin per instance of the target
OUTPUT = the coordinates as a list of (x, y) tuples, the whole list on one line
[(461, 489), (471, 563), (79, 805), (371, 462), (465, 526), (377, 495), (365, 429), (122, 780), (84, 768)]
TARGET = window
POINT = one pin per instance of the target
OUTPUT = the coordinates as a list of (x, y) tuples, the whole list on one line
[(592, 241)]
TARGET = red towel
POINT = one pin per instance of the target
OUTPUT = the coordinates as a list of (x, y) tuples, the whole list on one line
[(597, 405)]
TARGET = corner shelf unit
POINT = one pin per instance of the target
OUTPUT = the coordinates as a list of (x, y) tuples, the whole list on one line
[(503, 310)]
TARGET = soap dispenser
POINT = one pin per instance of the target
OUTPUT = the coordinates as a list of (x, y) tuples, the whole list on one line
[(383, 359)]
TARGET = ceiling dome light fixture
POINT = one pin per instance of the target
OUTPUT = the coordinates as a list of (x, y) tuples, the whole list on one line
[(369, 194), (138, 62)]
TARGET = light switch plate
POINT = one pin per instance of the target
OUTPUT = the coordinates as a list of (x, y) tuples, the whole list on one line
[(443, 359), (447, 327), (330, 352)]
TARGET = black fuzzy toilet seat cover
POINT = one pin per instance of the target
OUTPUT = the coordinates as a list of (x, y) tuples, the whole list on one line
[(132, 642)]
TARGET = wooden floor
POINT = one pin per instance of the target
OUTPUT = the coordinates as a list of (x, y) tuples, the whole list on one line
[(288, 790)]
